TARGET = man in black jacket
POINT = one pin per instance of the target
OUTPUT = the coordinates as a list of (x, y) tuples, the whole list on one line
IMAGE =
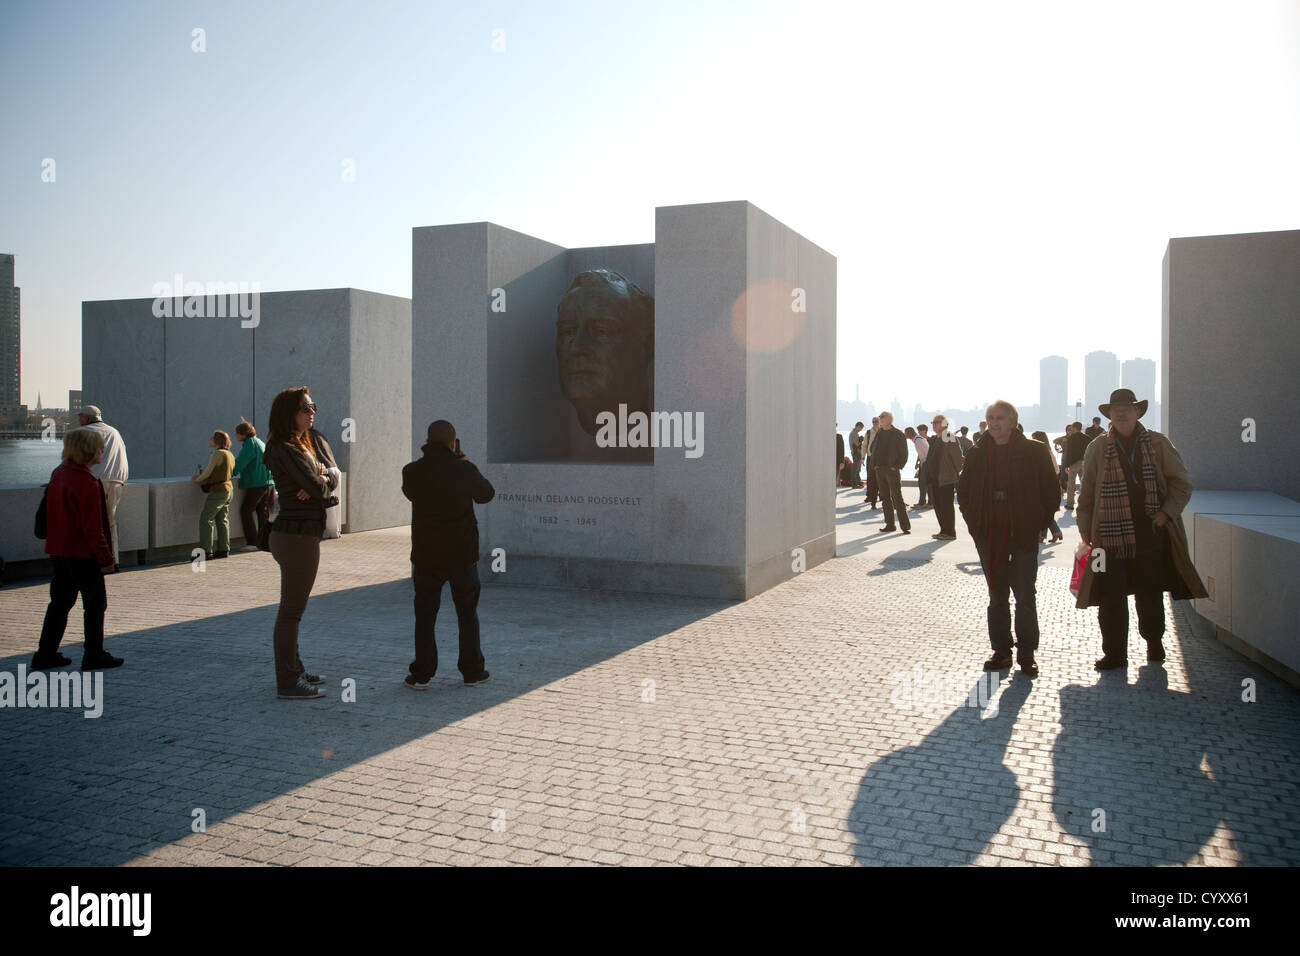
[(1008, 493), (442, 487), (1073, 445), (888, 456)]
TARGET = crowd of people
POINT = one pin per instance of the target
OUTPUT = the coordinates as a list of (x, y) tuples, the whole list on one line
[(1131, 486), (1132, 489), (295, 466)]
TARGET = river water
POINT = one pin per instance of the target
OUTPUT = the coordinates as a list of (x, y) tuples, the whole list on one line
[(28, 461)]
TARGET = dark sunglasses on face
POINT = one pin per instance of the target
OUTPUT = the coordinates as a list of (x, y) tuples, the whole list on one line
[(307, 407)]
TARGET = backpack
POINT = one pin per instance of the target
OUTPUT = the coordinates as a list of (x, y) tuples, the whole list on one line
[(40, 528)]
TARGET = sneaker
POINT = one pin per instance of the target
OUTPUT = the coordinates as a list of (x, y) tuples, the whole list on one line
[(314, 679), (103, 662), (43, 663), (1110, 663), (998, 663), (1155, 650), (300, 691), (414, 684), (482, 678)]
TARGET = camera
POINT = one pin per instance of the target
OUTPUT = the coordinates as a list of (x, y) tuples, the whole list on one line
[(332, 501)]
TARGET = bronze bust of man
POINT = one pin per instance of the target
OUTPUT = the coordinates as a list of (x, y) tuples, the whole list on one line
[(604, 345)]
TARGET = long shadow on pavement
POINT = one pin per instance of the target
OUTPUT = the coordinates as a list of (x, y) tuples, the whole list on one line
[(192, 721), (913, 800), (1168, 767)]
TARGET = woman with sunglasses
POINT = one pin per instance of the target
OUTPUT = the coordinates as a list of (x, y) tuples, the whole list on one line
[(298, 457)]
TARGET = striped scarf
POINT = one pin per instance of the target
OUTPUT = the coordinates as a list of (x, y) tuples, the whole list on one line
[(1115, 528)]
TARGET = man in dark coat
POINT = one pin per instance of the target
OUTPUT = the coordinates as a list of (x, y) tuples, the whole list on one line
[(1008, 494), (1072, 446), (442, 487), (887, 458)]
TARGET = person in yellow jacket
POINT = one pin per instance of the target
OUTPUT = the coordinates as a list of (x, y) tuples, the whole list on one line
[(1135, 487), (216, 509)]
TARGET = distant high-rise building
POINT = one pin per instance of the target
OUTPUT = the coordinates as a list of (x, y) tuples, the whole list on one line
[(1139, 374), (10, 335), (1054, 407), (1100, 378), (74, 402)]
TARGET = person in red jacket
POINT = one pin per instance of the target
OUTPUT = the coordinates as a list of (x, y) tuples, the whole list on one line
[(77, 539)]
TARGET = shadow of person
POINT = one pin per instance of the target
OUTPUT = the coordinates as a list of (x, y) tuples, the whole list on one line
[(942, 800), (1252, 751), (848, 549), (911, 558), (1128, 771)]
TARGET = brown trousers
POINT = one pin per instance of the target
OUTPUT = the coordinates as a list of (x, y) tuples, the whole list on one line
[(299, 558)]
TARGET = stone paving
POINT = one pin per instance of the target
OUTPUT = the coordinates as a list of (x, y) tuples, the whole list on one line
[(827, 721)]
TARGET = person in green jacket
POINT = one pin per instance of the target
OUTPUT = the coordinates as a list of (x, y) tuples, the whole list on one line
[(216, 509), (255, 482)]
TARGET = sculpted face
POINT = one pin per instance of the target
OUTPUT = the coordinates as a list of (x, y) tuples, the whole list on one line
[(604, 338)]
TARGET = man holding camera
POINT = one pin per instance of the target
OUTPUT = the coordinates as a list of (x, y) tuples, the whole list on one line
[(443, 486)]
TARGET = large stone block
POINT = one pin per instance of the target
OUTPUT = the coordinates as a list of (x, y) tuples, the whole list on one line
[(744, 336), (168, 383), (1231, 334), (18, 504), (123, 356), (1246, 546)]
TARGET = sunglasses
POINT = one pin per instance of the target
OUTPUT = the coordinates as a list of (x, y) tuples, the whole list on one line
[(307, 407)]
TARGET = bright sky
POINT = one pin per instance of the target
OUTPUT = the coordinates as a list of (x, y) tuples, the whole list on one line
[(997, 180)]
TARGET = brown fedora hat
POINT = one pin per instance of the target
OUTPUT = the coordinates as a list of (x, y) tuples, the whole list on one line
[(1123, 396)]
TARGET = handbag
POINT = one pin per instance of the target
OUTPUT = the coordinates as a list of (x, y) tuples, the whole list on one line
[(264, 532), (1080, 566)]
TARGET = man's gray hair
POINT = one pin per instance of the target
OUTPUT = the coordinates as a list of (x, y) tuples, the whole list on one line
[(1006, 407), (942, 420)]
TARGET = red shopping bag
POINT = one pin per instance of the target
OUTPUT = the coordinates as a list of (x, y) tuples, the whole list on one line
[(1080, 565)]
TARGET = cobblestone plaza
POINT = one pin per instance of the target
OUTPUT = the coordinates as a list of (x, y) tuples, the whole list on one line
[(834, 719)]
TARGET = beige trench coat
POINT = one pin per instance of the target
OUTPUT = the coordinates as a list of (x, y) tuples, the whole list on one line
[(1175, 491)]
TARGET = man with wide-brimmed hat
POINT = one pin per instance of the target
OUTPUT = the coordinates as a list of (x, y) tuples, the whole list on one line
[(1135, 487)]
